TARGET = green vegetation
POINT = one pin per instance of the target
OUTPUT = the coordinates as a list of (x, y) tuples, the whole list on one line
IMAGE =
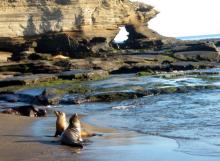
[(165, 58), (62, 87), (168, 90), (145, 73)]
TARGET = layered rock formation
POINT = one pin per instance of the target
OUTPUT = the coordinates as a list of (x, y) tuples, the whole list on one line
[(45, 36), (69, 25)]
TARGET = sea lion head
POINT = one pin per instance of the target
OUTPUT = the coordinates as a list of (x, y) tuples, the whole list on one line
[(60, 114), (61, 123), (39, 112), (74, 121)]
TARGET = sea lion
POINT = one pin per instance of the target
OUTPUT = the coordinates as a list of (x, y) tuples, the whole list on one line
[(61, 123), (27, 110), (72, 135)]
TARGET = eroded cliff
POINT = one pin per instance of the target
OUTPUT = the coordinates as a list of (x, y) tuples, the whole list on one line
[(70, 25)]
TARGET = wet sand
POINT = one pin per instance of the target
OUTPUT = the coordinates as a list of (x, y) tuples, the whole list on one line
[(29, 139), (132, 146), (19, 144)]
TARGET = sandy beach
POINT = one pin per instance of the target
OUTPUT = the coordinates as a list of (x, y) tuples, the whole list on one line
[(144, 76), (30, 139), (19, 144)]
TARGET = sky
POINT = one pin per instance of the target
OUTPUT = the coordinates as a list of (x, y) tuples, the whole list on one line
[(178, 18)]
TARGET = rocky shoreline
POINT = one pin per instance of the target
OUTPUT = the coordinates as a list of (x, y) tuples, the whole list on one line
[(55, 76), (41, 45), (52, 49)]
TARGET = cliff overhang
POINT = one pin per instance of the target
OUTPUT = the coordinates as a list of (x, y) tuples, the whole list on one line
[(71, 27)]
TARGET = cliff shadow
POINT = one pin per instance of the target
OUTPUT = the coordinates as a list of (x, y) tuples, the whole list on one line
[(30, 28), (63, 2), (51, 18)]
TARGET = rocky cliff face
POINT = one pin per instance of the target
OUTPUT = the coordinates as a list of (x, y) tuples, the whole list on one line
[(70, 25), (92, 18)]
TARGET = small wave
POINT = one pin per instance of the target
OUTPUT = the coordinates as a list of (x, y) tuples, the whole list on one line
[(123, 107), (198, 148), (180, 137)]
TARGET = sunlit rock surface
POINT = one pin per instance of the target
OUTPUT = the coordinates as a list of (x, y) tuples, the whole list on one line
[(70, 25), (89, 18)]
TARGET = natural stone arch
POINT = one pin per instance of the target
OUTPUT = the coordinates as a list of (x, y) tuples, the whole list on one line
[(122, 35), (71, 26)]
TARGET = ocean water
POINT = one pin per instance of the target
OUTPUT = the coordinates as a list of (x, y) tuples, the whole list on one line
[(176, 125), (191, 118), (122, 36), (167, 127), (200, 37)]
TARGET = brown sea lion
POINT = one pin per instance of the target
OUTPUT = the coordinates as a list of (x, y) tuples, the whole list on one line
[(72, 135), (61, 123)]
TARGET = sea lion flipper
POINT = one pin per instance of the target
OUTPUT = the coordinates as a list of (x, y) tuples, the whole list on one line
[(78, 145), (56, 134), (88, 134)]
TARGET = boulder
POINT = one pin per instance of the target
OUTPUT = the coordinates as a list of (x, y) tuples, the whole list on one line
[(44, 67), (114, 96), (36, 67), (4, 75), (84, 75), (27, 80), (198, 56), (38, 96)]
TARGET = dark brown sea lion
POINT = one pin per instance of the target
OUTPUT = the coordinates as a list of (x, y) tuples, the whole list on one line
[(72, 135), (28, 110)]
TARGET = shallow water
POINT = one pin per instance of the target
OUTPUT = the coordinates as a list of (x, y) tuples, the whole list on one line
[(177, 125)]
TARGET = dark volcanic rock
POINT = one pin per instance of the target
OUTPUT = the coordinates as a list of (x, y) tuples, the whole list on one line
[(183, 46), (122, 95), (15, 67), (45, 67), (114, 96), (84, 75), (27, 80), (4, 75), (36, 67), (24, 55), (190, 65), (53, 43), (13, 46), (197, 55), (47, 96), (77, 99), (40, 56)]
